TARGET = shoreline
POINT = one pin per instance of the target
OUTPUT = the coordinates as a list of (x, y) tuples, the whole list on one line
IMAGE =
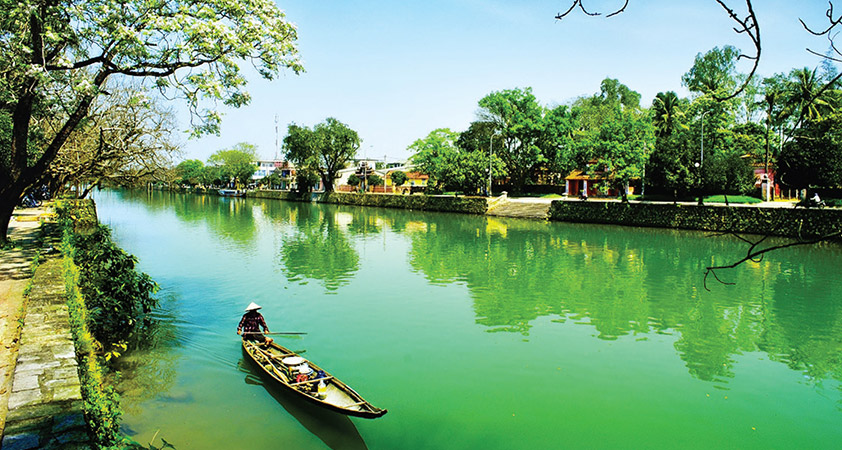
[(765, 218)]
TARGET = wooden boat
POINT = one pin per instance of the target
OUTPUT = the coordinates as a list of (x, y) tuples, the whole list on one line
[(282, 365)]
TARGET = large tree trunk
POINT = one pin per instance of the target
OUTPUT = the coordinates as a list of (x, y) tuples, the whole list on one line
[(8, 203)]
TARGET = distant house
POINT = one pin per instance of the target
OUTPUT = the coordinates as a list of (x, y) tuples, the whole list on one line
[(579, 182), (284, 169), (414, 179)]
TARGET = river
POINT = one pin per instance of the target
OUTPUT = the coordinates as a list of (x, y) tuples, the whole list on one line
[(475, 332)]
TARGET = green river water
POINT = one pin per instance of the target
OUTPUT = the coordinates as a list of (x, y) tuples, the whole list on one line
[(476, 332)]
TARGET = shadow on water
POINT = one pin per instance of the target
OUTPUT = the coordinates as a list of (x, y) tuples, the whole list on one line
[(337, 431)]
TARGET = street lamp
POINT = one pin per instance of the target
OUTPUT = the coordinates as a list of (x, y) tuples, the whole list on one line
[(490, 146), (702, 139), (701, 155)]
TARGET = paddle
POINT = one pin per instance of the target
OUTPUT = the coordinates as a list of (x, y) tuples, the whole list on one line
[(292, 333)]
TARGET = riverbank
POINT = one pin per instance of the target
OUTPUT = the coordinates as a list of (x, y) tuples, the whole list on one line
[(774, 219), (766, 218)]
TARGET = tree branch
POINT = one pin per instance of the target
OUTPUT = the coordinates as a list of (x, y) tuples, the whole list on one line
[(752, 254), (581, 5)]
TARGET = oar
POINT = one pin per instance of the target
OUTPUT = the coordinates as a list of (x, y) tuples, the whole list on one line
[(292, 333)]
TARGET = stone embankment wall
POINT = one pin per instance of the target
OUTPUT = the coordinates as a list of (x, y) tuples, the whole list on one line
[(776, 221), (45, 406), (465, 205)]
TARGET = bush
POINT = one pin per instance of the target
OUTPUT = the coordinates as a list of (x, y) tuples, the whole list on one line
[(101, 409), (791, 222), (117, 297)]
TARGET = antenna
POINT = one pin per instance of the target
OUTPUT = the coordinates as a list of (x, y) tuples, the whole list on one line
[(276, 137)]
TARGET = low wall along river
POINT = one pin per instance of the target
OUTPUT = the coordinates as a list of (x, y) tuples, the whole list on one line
[(775, 221)]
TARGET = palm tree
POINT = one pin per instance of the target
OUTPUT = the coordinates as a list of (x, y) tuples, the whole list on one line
[(809, 98), (774, 103), (665, 110)]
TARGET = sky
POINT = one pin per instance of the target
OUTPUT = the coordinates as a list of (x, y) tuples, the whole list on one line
[(394, 71)]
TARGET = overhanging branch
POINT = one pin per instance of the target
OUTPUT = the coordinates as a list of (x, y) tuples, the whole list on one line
[(755, 255)]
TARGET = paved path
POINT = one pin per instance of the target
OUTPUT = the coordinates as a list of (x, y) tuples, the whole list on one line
[(41, 402), (14, 275)]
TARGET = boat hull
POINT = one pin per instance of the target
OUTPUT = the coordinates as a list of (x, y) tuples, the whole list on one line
[(339, 396)]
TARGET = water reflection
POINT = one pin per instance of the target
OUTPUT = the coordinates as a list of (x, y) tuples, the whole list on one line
[(518, 271), (619, 282), (230, 219), (319, 249), (147, 370), (337, 431)]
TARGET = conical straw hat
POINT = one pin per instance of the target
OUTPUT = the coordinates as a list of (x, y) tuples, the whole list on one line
[(253, 306)]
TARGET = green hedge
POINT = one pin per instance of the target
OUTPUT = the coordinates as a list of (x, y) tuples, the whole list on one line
[(280, 195), (101, 403), (466, 205), (785, 221)]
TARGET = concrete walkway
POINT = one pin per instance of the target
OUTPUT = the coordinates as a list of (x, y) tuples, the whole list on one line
[(15, 272), (45, 401)]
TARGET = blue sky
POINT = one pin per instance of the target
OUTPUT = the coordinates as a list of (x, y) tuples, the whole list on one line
[(396, 70)]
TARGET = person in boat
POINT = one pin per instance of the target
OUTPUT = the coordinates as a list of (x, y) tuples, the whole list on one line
[(251, 323)]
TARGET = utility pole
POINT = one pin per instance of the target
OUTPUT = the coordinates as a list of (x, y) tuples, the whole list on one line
[(490, 146)]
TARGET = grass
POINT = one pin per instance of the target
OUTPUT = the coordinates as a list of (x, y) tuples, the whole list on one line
[(732, 199)]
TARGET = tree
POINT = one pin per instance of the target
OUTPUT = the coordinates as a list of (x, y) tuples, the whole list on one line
[(620, 148), (814, 157), (354, 180), (398, 178), (451, 167), (613, 98), (666, 111), (774, 105), (125, 140), (189, 172), (326, 149), (212, 176), (808, 99), (57, 59), (713, 73), (476, 145), (518, 118), (612, 92), (670, 167), (556, 142), (375, 180), (236, 163), (434, 155)]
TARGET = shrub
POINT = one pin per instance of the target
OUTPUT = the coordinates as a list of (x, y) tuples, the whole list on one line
[(117, 297)]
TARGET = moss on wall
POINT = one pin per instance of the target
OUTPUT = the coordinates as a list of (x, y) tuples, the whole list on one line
[(466, 205), (785, 221)]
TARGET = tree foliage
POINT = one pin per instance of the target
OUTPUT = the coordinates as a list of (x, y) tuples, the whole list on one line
[(127, 139), (189, 172), (398, 178), (325, 149), (451, 167), (57, 59), (814, 157), (236, 163), (518, 118), (714, 72)]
